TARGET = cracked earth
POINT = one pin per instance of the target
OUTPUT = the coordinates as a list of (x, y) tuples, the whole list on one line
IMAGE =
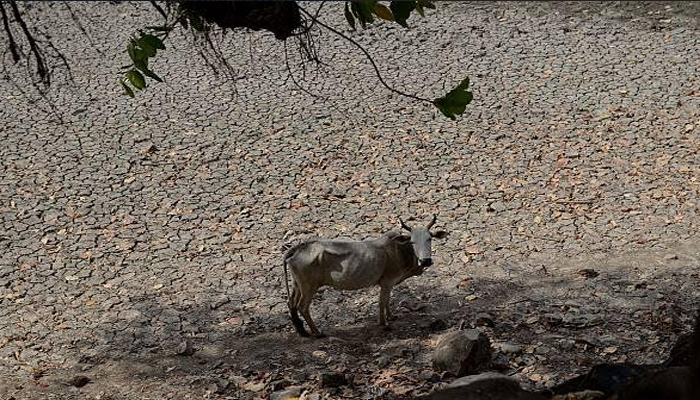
[(140, 239)]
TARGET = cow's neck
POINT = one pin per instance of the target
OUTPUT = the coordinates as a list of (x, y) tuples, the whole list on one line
[(409, 260)]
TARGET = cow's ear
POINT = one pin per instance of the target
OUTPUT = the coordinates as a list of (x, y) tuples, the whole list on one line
[(439, 234), (402, 239)]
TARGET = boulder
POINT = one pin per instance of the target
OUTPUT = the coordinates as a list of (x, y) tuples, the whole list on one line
[(486, 386), (462, 352)]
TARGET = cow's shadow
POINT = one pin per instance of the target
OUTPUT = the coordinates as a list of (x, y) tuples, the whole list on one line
[(264, 341)]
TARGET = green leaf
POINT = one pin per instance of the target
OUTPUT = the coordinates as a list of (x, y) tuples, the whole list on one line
[(196, 23), (141, 64), (136, 79), (419, 8), (151, 41), (349, 17), (422, 5), (127, 89), (455, 102), (152, 75), (137, 55), (381, 11), (150, 44), (363, 11), (402, 10)]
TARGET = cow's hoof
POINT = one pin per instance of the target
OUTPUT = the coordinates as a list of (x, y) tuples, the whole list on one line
[(320, 335), (386, 328)]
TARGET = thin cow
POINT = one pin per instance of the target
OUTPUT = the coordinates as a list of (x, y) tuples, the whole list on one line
[(345, 265)]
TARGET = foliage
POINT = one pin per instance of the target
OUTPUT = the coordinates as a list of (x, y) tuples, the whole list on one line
[(140, 50), (455, 102), (398, 11), (198, 16)]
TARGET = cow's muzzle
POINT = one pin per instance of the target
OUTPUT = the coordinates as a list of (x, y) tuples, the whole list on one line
[(425, 262)]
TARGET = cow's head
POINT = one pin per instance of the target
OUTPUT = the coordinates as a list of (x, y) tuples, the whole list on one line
[(421, 239)]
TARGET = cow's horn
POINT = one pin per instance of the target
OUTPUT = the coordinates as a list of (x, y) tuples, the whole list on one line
[(404, 226), (430, 225)]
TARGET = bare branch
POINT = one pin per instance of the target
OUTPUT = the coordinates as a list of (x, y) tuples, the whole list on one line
[(6, 25), (369, 57), (40, 65), (160, 10), (80, 26), (313, 20)]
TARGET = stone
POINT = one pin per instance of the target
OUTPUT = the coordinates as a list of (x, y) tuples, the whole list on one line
[(79, 381), (582, 395), (485, 386), (462, 352), (485, 377), (587, 273), (219, 386), (508, 348), (437, 325), (184, 349), (333, 379), (292, 392), (484, 319), (429, 376)]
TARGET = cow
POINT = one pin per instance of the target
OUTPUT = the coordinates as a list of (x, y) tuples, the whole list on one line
[(351, 265)]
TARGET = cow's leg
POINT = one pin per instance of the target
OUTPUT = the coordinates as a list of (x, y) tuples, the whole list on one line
[(307, 294), (293, 304), (384, 313)]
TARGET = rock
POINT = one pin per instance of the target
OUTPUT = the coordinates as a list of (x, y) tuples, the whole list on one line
[(484, 319), (462, 352), (483, 377), (332, 379), (280, 384), (671, 383), (218, 387), (587, 273), (671, 257), (79, 381), (606, 378), (508, 348), (429, 376), (486, 386), (184, 349), (551, 320), (437, 325), (289, 393), (584, 395), (383, 361), (681, 352), (222, 385)]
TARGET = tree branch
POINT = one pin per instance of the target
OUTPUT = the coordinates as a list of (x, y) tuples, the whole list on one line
[(80, 26), (313, 20), (369, 57), (40, 65), (160, 10), (6, 25)]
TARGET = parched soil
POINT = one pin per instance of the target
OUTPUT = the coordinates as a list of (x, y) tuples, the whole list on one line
[(141, 239)]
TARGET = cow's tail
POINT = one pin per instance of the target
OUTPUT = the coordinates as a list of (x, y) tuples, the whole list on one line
[(288, 250), (286, 278), (291, 304)]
